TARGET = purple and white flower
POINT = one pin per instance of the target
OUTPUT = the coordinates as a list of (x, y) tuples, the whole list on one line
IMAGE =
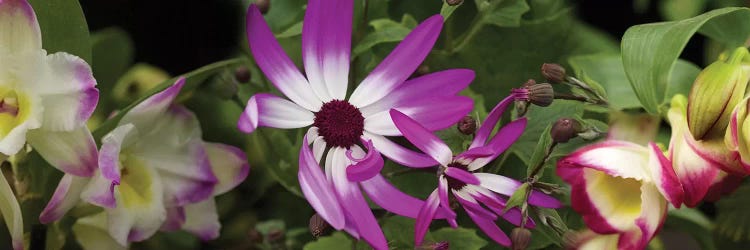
[(354, 128), (474, 191)]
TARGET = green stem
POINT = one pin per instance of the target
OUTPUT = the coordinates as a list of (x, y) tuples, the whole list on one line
[(476, 26), (533, 175)]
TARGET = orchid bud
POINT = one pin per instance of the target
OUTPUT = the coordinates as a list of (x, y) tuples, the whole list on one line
[(565, 129), (737, 136), (520, 238), (715, 92), (467, 125), (553, 72), (318, 226)]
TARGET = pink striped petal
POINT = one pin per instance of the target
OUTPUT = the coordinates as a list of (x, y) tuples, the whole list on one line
[(326, 44), (317, 190), (664, 176), (355, 206), (276, 65), (425, 216), (398, 65), (433, 113), (422, 138), (19, 29), (66, 196), (398, 153), (438, 84), (484, 131), (462, 175), (364, 167), (385, 195), (268, 110)]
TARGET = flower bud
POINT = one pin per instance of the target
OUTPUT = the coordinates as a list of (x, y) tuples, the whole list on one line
[(242, 74), (318, 226), (467, 125), (715, 92), (541, 94), (520, 238), (454, 2), (565, 129), (737, 137), (263, 5), (553, 72)]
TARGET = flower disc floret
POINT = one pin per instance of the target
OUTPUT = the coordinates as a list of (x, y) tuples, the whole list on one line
[(340, 123)]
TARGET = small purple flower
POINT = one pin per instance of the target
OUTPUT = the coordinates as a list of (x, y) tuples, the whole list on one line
[(471, 190), (354, 129)]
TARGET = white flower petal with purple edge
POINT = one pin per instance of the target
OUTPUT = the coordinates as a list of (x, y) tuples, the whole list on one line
[(317, 190), (398, 153), (72, 151), (66, 196), (19, 29), (11, 212), (91, 233), (422, 138), (266, 110), (202, 220), (425, 216), (365, 165), (68, 90), (326, 46), (229, 165), (433, 113)]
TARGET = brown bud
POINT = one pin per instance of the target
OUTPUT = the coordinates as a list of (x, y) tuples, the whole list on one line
[(541, 94), (263, 5), (520, 238), (317, 226), (565, 129), (553, 72), (528, 83), (454, 2), (242, 74), (467, 125)]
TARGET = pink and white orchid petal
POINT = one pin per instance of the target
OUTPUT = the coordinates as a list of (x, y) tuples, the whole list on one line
[(326, 44), (276, 65), (72, 151), (19, 29), (11, 212), (366, 165), (693, 171), (484, 131), (502, 140), (385, 195), (354, 204), (140, 210), (14, 137), (487, 225), (589, 240), (267, 110), (229, 165), (173, 146), (145, 113), (507, 186), (66, 196), (616, 158), (723, 184), (462, 175), (432, 113), (91, 233), (422, 138), (664, 176), (100, 191), (425, 216), (175, 219), (654, 212), (317, 190), (438, 84), (607, 202), (202, 220), (399, 64), (68, 90), (109, 154), (398, 153)]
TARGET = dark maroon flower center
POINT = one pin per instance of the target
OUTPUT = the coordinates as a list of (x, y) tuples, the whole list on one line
[(453, 183), (340, 123)]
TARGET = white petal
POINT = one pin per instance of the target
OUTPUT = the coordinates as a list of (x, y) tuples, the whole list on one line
[(229, 164), (68, 90), (202, 220), (72, 151), (91, 233), (11, 212), (19, 29)]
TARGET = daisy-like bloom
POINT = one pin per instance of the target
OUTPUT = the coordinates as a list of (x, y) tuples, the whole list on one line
[(621, 188), (354, 129), (471, 190), (153, 163)]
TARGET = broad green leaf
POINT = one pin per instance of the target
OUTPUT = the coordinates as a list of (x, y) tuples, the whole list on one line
[(385, 31), (400, 233), (506, 12), (192, 80), (607, 70), (446, 11), (337, 240), (693, 222), (540, 150), (292, 31), (732, 220), (63, 27), (460, 238), (113, 53), (539, 119), (650, 50)]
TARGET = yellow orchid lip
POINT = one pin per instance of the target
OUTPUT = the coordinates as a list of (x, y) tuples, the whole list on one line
[(15, 108)]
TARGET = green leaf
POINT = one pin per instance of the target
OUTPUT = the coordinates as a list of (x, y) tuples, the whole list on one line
[(337, 240), (400, 233), (192, 80), (446, 11), (459, 238), (539, 119), (113, 53), (540, 150), (518, 198), (681, 9), (292, 31), (386, 31), (607, 70), (732, 220), (63, 27), (651, 50), (695, 223), (506, 13)]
